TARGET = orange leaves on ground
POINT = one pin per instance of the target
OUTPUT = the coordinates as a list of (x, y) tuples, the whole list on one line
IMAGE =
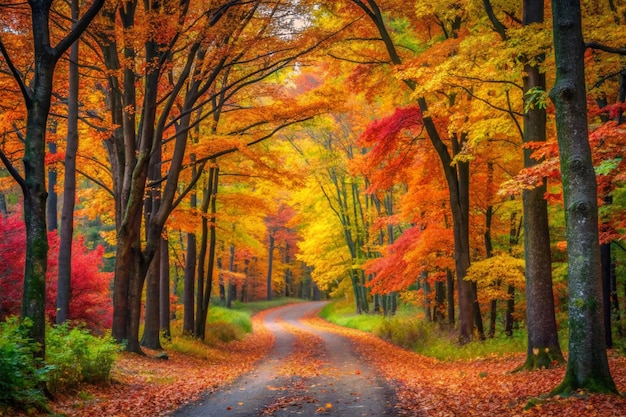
[(304, 361), (481, 387), (146, 386)]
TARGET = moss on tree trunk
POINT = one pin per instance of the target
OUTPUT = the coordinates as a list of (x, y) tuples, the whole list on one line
[(587, 365)]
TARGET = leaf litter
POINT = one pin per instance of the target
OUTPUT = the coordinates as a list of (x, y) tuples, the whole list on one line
[(147, 386)]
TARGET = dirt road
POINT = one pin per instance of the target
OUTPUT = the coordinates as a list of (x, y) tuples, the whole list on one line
[(308, 372)]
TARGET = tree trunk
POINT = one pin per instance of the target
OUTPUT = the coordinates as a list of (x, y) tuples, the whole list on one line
[(493, 308), (164, 277), (606, 261), (69, 188), (188, 285), (232, 284), (211, 192), (202, 256), (450, 297), (270, 261), (52, 202), (3, 205), (152, 326), (543, 349), (34, 292), (587, 363), (509, 322)]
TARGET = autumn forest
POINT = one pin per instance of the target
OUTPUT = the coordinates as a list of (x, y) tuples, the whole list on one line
[(444, 176)]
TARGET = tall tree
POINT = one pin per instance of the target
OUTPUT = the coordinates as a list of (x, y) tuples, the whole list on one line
[(587, 363), (456, 173), (37, 97), (69, 185), (543, 347)]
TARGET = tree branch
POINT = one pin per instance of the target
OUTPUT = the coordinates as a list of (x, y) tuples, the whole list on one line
[(605, 48), (497, 24), (17, 75), (12, 170), (79, 28)]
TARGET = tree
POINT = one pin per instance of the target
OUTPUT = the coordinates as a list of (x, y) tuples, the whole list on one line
[(69, 191), (456, 171), (37, 97), (90, 302), (543, 347), (587, 364)]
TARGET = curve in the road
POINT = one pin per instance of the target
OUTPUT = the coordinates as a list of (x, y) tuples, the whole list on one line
[(308, 372)]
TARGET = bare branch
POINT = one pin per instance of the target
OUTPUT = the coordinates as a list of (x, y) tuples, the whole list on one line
[(605, 48), (26, 92)]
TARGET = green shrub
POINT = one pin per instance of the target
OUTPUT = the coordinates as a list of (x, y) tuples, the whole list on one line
[(77, 356), (226, 332), (409, 333), (238, 319), (20, 375)]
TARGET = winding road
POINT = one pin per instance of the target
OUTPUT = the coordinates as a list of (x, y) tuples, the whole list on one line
[(309, 372)]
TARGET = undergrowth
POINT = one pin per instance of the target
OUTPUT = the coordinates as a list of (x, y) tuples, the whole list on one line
[(73, 356), (410, 330), (224, 325)]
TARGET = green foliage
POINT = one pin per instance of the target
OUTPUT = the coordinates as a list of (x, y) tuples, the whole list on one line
[(239, 320), (408, 330), (535, 97), (346, 317), (256, 306), (223, 331), (607, 166), (412, 334), (20, 375), (77, 356)]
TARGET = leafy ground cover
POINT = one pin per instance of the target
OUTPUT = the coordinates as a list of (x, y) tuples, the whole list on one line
[(147, 386), (482, 386)]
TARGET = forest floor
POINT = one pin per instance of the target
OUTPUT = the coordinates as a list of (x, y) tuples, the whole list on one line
[(146, 386)]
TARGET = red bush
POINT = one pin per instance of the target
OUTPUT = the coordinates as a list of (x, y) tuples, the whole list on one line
[(90, 301)]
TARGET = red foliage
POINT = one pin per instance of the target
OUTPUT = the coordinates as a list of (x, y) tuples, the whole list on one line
[(392, 139), (90, 302)]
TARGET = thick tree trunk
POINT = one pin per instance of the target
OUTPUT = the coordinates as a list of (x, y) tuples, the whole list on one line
[(34, 291), (606, 261), (543, 349), (587, 363), (152, 326)]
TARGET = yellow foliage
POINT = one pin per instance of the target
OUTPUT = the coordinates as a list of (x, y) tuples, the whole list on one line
[(495, 273)]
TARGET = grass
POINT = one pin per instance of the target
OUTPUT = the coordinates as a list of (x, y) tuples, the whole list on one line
[(224, 325), (408, 329), (257, 306)]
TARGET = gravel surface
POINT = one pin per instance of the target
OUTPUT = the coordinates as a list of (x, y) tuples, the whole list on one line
[(309, 372)]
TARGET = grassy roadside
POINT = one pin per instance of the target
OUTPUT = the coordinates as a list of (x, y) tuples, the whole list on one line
[(224, 325), (408, 329)]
